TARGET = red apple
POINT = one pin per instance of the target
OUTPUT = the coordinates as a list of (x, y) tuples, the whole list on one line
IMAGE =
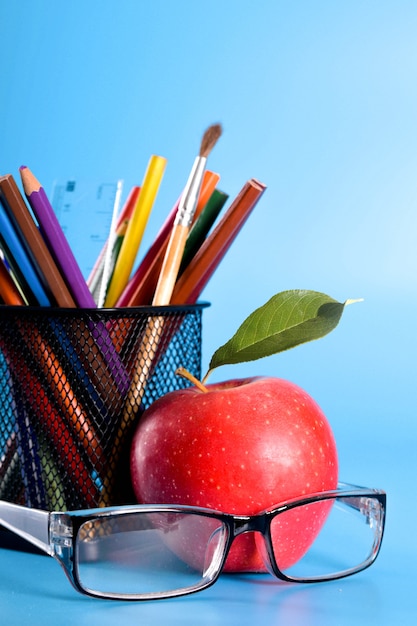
[(241, 447)]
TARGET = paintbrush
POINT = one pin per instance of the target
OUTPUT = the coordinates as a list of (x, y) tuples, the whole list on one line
[(183, 219)]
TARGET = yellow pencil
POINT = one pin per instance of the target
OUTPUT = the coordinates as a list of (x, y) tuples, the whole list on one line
[(136, 228)]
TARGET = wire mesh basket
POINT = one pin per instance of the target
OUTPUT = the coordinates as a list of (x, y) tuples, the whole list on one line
[(73, 384)]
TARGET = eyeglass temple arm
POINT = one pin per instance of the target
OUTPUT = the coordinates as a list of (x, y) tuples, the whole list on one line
[(30, 524)]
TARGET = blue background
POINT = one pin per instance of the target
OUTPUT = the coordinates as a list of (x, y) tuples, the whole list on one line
[(317, 99)]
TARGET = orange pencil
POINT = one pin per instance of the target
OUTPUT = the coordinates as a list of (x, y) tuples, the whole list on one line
[(8, 290), (54, 427), (195, 277)]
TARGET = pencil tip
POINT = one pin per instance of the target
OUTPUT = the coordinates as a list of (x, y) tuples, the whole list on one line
[(209, 140), (30, 183)]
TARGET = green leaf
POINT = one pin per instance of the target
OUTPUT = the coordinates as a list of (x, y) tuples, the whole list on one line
[(288, 319)]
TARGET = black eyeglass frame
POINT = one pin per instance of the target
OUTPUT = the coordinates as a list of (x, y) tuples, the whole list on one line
[(56, 533)]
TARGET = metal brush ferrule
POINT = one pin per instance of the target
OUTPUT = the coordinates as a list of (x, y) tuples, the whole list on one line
[(190, 194)]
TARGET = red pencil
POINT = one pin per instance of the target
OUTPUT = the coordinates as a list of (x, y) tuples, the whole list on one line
[(141, 287), (63, 394), (60, 437), (53, 426)]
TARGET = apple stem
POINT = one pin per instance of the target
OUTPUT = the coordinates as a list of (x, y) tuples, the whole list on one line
[(181, 371)]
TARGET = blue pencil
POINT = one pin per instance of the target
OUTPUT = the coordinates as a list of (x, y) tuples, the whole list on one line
[(7, 418), (81, 379), (29, 455), (20, 262)]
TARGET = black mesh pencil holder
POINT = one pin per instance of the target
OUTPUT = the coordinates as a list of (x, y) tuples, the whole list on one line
[(73, 384)]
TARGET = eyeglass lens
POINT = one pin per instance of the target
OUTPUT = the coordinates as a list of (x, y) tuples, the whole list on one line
[(328, 537), (150, 553), (172, 552)]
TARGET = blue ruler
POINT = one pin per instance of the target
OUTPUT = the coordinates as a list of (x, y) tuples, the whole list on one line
[(84, 209)]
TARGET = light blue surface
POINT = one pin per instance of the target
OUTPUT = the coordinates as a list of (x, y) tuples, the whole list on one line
[(33, 588), (318, 99)]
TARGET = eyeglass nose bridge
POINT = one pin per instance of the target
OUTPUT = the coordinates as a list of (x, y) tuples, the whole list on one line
[(257, 524), (249, 523)]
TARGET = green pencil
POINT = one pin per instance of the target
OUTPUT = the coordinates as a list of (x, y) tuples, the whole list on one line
[(202, 226)]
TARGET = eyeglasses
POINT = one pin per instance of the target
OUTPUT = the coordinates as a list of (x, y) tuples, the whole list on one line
[(148, 552)]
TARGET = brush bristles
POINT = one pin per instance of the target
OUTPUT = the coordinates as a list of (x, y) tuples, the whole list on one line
[(209, 140)]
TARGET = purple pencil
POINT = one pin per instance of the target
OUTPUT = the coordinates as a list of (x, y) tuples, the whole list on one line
[(55, 239), (65, 260)]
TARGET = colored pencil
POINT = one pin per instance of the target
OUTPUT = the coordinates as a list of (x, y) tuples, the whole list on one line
[(141, 288), (201, 268), (10, 471), (86, 376), (8, 289), (117, 245), (62, 392), (58, 433), (120, 235), (20, 263), (52, 479), (8, 449), (62, 253), (96, 340), (29, 451), (94, 279), (135, 230), (55, 239), (7, 412), (202, 226), (31, 479), (52, 281)]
